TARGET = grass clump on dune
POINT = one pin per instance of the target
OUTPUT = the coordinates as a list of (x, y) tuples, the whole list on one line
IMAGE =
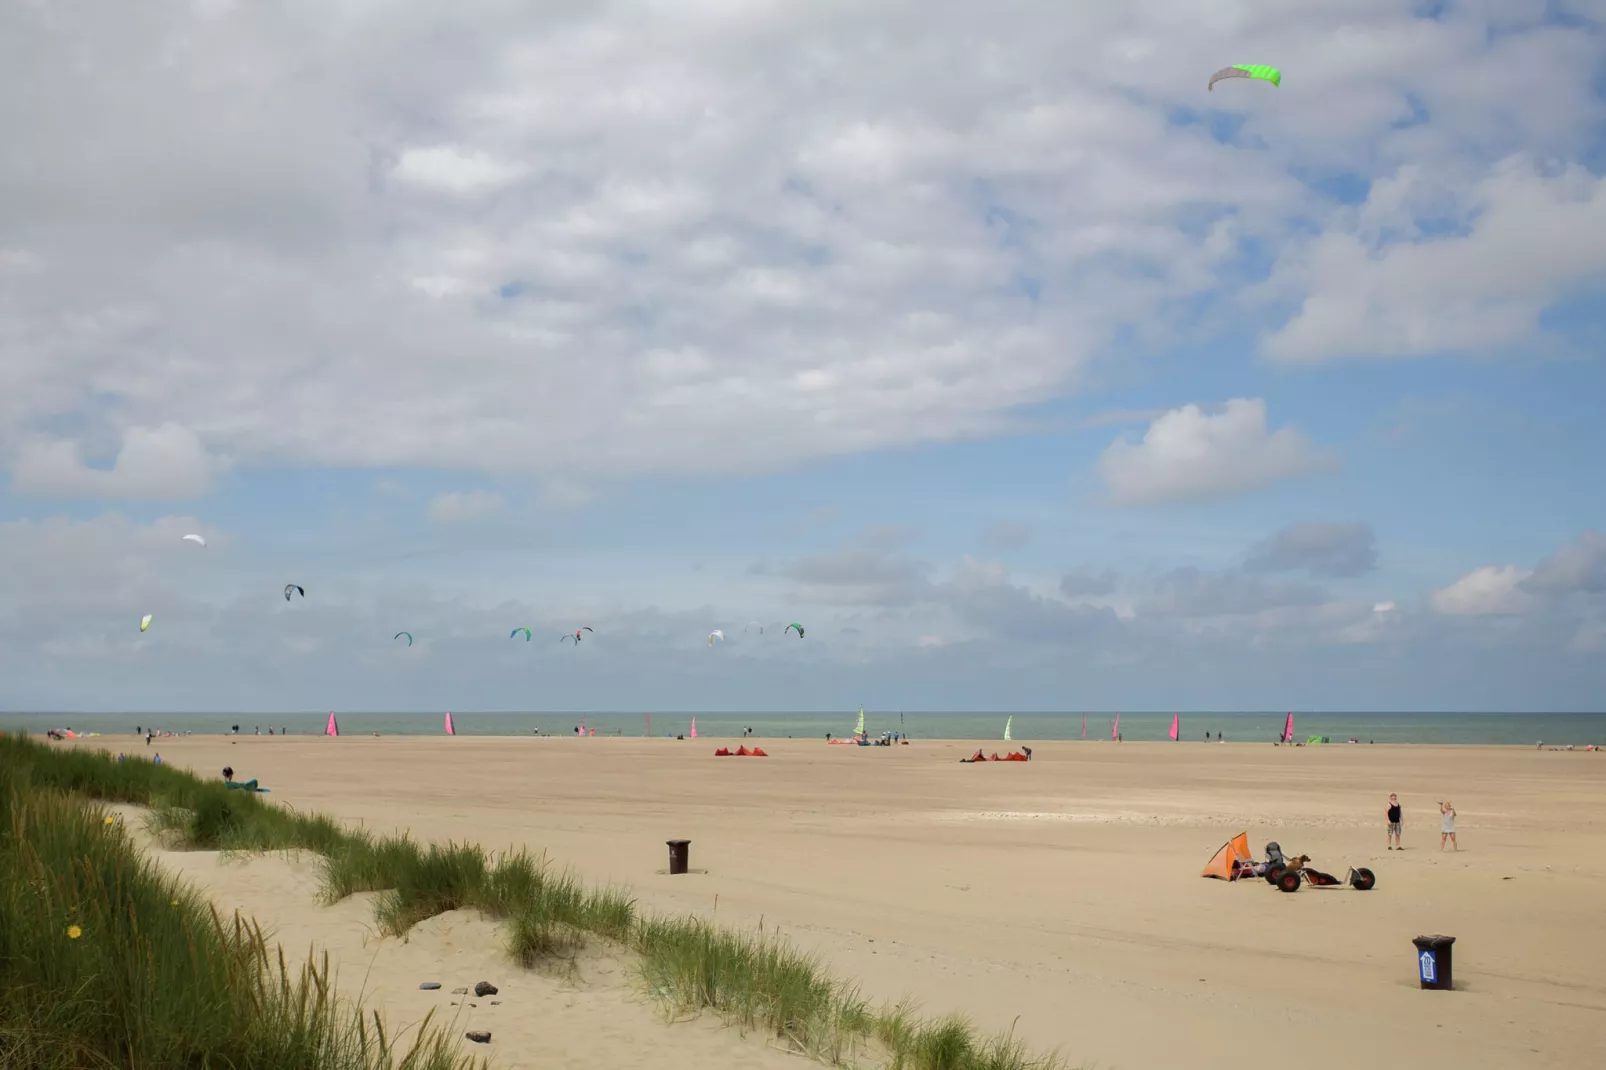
[(751, 980), (107, 963)]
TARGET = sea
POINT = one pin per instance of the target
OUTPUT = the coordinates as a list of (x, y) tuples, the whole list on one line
[(1474, 729)]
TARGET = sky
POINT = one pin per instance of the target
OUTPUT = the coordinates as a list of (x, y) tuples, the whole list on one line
[(981, 340)]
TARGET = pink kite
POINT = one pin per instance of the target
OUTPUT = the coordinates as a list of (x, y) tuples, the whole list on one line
[(1176, 722), (449, 729), (694, 728), (1115, 728), (331, 729)]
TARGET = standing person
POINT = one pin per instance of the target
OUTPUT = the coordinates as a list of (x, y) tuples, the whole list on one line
[(1447, 825), (1394, 821)]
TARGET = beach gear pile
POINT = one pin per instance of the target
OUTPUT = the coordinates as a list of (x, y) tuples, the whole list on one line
[(1012, 756), (740, 752)]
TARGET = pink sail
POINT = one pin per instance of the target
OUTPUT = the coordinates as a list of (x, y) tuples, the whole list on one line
[(1288, 729), (1176, 722), (449, 729), (331, 729), (694, 728), (1115, 728), (1084, 726)]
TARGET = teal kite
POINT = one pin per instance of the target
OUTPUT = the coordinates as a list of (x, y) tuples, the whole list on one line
[(796, 625), (516, 631), (1247, 70), (398, 635)]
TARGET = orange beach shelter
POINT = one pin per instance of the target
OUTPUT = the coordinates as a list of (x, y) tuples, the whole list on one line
[(1224, 864)]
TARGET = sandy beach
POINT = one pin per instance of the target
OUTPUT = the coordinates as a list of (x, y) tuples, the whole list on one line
[(1061, 896)]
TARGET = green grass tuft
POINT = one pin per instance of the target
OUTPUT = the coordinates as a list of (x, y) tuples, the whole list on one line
[(105, 962)]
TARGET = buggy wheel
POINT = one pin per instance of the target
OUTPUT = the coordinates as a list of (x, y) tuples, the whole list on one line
[(1363, 880), (1288, 880), (1272, 873)]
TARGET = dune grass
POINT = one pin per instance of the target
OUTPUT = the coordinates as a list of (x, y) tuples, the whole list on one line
[(753, 981), (107, 963)]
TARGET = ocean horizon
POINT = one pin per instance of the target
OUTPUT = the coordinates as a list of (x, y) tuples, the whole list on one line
[(1447, 728)]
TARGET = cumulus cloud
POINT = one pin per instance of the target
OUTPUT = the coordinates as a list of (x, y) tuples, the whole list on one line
[(1531, 238), (165, 463), (1579, 567), (610, 239), (1192, 455), (464, 505), (861, 576), (1560, 603), (1192, 592), (1334, 550), (1486, 591), (449, 169), (1086, 583)]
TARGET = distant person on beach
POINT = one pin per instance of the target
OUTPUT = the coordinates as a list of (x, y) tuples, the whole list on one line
[(1394, 822), (228, 774), (1447, 825)]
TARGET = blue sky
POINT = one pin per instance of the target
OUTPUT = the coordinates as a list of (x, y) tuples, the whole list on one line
[(1023, 371)]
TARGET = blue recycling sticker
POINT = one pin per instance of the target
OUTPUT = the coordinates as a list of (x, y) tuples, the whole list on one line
[(1429, 964)]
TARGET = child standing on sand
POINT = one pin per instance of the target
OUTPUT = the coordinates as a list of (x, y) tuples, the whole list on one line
[(1447, 825), (1394, 822)]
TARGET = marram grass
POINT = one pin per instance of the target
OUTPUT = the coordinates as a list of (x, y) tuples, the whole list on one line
[(105, 962), (755, 981)]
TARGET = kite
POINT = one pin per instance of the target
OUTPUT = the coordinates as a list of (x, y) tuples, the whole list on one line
[(293, 587), (1247, 70), (753, 624), (796, 625), (516, 631), (575, 635), (195, 539), (715, 634), (398, 635), (144, 622)]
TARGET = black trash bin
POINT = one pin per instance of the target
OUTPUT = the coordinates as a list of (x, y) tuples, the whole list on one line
[(1433, 961), (679, 855)]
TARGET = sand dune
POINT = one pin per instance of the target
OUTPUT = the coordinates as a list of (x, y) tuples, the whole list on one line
[(586, 1013), (1064, 892)]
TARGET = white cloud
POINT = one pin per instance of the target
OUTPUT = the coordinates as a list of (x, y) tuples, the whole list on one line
[(1487, 591), (463, 505), (166, 463), (1532, 237), (452, 170), (850, 246), (1191, 455)]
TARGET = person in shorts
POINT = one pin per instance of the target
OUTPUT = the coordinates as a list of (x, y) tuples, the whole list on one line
[(1394, 822)]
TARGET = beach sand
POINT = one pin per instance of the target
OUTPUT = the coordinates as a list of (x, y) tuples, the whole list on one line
[(1060, 896)]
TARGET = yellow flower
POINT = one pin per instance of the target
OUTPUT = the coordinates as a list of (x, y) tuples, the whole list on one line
[(110, 819), (174, 903), (74, 932)]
